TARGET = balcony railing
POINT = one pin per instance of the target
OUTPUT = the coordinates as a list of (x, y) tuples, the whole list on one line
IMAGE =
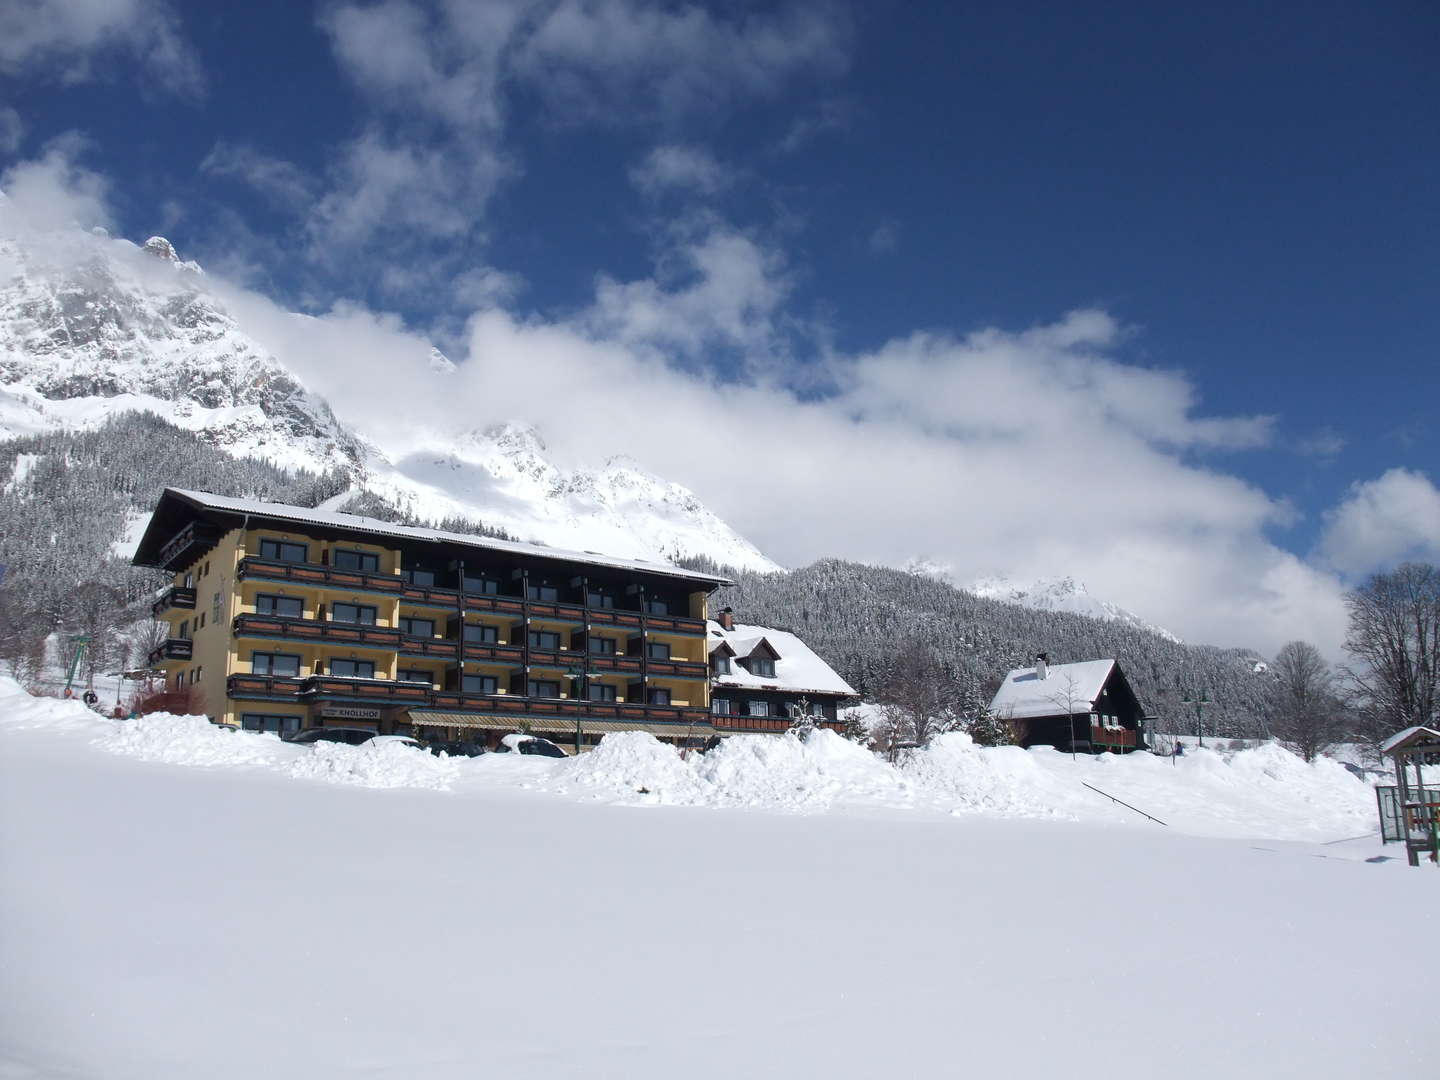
[(381, 637), (253, 567), (1111, 736), (172, 649), (262, 686), (386, 692), (177, 596)]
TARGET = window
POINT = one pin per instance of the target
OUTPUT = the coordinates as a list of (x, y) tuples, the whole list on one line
[(179, 680), (658, 695), (364, 614), (487, 586), (757, 708), (284, 551), (415, 576), (265, 663), (283, 725), (345, 559), (600, 598), (289, 607), (722, 706), (762, 666), (544, 639), (543, 688), (414, 675), (657, 605), (817, 709), (197, 674), (206, 570), (353, 669), (184, 632), (417, 627), (189, 581), (601, 692), (200, 622), (602, 646), (482, 634), (479, 684), (545, 593), (722, 665), (657, 650)]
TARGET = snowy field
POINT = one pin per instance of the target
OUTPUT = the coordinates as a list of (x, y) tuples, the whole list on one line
[(180, 901)]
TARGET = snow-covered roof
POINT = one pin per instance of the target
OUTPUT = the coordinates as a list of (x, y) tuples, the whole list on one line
[(1065, 688), (1417, 734), (797, 668), (334, 519)]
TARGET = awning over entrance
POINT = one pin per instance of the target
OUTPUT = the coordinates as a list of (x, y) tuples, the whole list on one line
[(539, 725)]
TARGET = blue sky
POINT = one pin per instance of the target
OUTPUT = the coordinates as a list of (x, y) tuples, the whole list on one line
[(1246, 194)]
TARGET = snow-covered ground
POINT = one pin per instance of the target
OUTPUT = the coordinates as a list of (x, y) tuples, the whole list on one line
[(181, 901)]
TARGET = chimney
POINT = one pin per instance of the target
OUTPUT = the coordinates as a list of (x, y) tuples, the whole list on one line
[(727, 619), (1041, 662)]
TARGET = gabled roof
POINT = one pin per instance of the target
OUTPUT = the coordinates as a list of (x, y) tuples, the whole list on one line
[(1411, 736), (173, 500), (1066, 688), (797, 668)]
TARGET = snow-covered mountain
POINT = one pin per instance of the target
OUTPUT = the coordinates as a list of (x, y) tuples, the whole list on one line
[(91, 326), (1061, 594)]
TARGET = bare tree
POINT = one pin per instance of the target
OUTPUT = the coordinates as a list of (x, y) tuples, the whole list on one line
[(1394, 638), (1068, 699), (918, 700), (1304, 709)]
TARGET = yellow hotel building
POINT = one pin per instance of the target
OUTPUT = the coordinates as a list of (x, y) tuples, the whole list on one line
[(282, 617)]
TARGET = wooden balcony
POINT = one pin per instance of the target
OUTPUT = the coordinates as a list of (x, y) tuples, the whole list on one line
[(502, 605), (676, 624), (1100, 735), (261, 686), (606, 664), (172, 649), (379, 690), (495, 654), (769, 725), (678, 669), (188, 544), (176, 596), (253, 567), (331, 633)]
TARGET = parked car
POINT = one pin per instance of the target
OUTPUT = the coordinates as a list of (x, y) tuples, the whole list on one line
[(529, 744), (456, 747), (350, 736)]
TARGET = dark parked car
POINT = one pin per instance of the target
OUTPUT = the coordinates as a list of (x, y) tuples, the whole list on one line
[(457, 748), (529, 744)]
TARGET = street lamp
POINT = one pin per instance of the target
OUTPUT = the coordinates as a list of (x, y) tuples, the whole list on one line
[(1198, 698)]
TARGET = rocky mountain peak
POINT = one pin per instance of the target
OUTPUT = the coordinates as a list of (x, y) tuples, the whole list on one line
[(161, 249)]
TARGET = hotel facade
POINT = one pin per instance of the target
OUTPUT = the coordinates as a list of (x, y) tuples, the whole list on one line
[(283, 617)]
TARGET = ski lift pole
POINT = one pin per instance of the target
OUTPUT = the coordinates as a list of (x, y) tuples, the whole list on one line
[(79, 642)]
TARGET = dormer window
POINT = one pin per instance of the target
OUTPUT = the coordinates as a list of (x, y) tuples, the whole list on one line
[(722, 664), (762, 666)]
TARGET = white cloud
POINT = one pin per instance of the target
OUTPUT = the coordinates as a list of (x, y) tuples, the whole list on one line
[(280, 181), (1382, 522), (1323, 444), (54, 190), (12, 130), (63, 39), (663, 60), (690, 169), (885, 236)]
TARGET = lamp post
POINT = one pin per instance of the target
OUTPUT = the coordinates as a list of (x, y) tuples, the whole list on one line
[(1199, 699), (577, 672)]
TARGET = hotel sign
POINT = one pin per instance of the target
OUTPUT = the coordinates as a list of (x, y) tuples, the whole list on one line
[(347, 712)]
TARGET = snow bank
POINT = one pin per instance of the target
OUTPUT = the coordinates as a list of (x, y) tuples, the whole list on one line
[(1001, 779), (1263, 792), (376, 765), (192, 740)]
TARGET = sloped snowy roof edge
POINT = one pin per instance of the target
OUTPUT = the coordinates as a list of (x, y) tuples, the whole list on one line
[(1074, 687), (358, 523), (797, 668), (1408, 736)]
